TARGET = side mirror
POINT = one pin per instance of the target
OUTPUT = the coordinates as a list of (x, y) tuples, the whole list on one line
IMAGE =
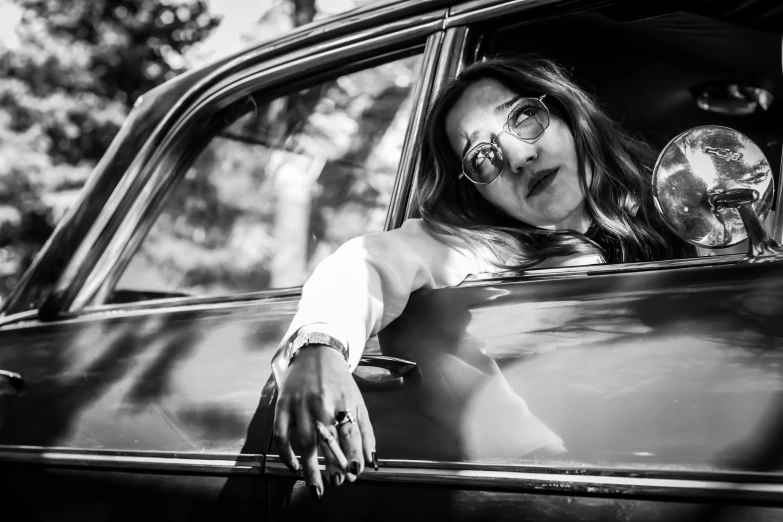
[(713, 187)]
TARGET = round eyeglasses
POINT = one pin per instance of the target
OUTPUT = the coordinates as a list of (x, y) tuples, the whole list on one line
[(527, 121)]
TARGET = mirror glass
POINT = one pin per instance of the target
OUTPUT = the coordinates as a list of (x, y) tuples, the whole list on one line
[(703, 161)]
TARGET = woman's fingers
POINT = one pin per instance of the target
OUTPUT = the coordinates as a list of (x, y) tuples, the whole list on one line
[(368, 435), (305, 428), (336, 463), (312, 415), (282, 426), (351, 443)]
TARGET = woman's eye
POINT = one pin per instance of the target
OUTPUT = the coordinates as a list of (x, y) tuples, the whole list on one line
[(520, 114), (481, 155), (475, 159)]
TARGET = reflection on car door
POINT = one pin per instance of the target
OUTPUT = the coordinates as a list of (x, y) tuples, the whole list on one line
[(649, 395), (145, 414)]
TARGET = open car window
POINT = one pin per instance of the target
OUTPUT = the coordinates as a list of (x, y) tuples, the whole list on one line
[(279, 188), (657, 83)]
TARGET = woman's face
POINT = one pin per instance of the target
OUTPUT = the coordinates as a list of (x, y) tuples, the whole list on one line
[(526, 190)]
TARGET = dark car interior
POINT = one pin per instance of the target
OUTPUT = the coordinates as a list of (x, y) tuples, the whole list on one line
[(652, 67), (649, 69)]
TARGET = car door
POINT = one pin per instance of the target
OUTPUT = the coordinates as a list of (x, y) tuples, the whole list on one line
[(636, 392), (146, 373), (649, 392)]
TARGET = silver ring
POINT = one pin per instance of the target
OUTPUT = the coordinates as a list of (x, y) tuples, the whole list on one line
[(343, 417)]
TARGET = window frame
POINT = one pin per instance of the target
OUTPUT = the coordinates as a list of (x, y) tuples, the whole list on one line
[(88, 289), (195, 143)]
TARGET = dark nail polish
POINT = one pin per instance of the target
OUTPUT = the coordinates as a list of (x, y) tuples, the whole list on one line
[(354, 467), (374, 461), (337, 479), (315, 491)]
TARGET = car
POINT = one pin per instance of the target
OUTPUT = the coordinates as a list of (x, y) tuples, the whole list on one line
[(135, 376)]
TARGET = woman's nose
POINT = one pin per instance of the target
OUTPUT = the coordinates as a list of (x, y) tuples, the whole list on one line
[(519, 154)]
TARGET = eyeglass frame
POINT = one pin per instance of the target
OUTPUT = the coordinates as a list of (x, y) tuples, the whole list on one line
[(494, 143)]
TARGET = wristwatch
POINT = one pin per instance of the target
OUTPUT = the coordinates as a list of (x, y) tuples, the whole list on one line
[(305, 339)]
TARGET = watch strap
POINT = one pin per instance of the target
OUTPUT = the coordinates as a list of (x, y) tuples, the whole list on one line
[(307, 338)]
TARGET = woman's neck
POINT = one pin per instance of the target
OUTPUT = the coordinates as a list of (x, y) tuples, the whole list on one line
[(577, 221)]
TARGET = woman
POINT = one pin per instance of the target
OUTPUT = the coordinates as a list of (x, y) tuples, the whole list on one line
[(520, 167)]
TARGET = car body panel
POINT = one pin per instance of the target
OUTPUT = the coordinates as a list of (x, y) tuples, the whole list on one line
[(665, 375), (415, 502), (167, 408), (187, 380), (663, 368), (59, 493)]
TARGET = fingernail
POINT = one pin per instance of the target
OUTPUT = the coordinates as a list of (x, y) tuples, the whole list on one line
[(337, 479), (315, 491), (355, 468), (374, 461), (293, 468)]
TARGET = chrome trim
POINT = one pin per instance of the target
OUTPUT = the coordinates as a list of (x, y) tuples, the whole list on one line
[(586, 270), (576, 481), (95, 314), (18, 317), (143, 461), (407, 170), (450, 60), (116, 228), (194, 300), (473, 5), (464, 54), (478, 10)]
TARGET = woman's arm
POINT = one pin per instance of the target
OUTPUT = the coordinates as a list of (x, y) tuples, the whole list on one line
[(366, 283), (352, 295)]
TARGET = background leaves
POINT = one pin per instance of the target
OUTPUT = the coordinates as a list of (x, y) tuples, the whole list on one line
[(65, 89)]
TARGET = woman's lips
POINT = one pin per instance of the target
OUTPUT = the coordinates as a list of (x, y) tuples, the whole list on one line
[(541, 181)]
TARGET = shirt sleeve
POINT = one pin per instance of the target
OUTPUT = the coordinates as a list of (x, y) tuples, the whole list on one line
[(366, 284)]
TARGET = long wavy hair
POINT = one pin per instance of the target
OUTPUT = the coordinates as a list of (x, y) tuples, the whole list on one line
[(625, 227)]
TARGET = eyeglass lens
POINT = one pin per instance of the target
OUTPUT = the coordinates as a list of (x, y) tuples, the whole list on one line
[(527, 121)]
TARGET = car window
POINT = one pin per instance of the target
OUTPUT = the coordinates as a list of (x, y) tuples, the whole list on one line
[(663, 78), (279, 188)]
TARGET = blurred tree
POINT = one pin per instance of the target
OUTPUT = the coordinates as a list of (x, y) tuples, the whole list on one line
[(65, 89)]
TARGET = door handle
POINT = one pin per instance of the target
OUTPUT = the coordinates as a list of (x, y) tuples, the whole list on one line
[(10, 383), (395, 372)]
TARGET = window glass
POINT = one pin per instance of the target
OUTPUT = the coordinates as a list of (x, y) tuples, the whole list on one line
[(280, 188)]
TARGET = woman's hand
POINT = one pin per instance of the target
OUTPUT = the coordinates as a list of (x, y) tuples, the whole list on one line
[(318, 388)]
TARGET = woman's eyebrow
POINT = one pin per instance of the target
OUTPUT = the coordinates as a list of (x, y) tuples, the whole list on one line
[(507, 105)]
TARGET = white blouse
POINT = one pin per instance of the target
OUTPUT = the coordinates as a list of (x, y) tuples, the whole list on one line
[(365, 284)]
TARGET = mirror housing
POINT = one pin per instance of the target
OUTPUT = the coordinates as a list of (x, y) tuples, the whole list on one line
[(713, 187)]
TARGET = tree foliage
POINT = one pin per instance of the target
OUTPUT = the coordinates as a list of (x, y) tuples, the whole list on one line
[(65, 89)]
